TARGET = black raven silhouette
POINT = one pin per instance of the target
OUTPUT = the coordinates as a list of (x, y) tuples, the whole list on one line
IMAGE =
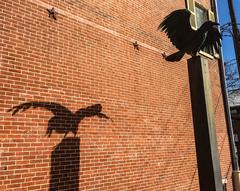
[(63, 120), (178, 29)]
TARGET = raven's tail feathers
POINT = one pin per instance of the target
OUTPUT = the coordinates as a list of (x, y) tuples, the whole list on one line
[(177, 56)]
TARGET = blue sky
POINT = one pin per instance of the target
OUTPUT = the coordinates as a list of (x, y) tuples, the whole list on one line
[(228, 49)]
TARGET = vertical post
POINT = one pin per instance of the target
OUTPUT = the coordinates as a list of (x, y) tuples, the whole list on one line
[(204, 125), (235, 32)]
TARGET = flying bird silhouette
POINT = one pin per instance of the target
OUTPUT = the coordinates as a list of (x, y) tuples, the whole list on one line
[(178, 29), (63, 120)]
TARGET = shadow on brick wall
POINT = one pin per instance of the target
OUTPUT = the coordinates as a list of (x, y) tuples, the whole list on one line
[(63, 121), (65, 165), (65, 158)]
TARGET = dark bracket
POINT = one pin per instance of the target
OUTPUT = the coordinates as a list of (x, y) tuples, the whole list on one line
[(136, 45), (164, 55), (52, 13)]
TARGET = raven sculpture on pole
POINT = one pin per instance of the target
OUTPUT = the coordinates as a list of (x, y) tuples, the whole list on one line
[(178, 29)]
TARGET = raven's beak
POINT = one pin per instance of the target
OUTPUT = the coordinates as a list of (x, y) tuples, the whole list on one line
[(214, 23)]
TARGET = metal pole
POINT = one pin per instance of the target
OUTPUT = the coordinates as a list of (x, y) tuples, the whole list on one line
[(209, 170), (234, 157), (235, 33), (235, 164)]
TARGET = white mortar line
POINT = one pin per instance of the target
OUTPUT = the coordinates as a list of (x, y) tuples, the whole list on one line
[(95, 25)]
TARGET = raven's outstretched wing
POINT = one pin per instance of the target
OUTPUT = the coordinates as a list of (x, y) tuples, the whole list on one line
[(177, 27), (213, 38), (55, 108)]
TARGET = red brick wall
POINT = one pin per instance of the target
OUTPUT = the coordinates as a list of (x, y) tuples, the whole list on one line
[(86, 57)]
